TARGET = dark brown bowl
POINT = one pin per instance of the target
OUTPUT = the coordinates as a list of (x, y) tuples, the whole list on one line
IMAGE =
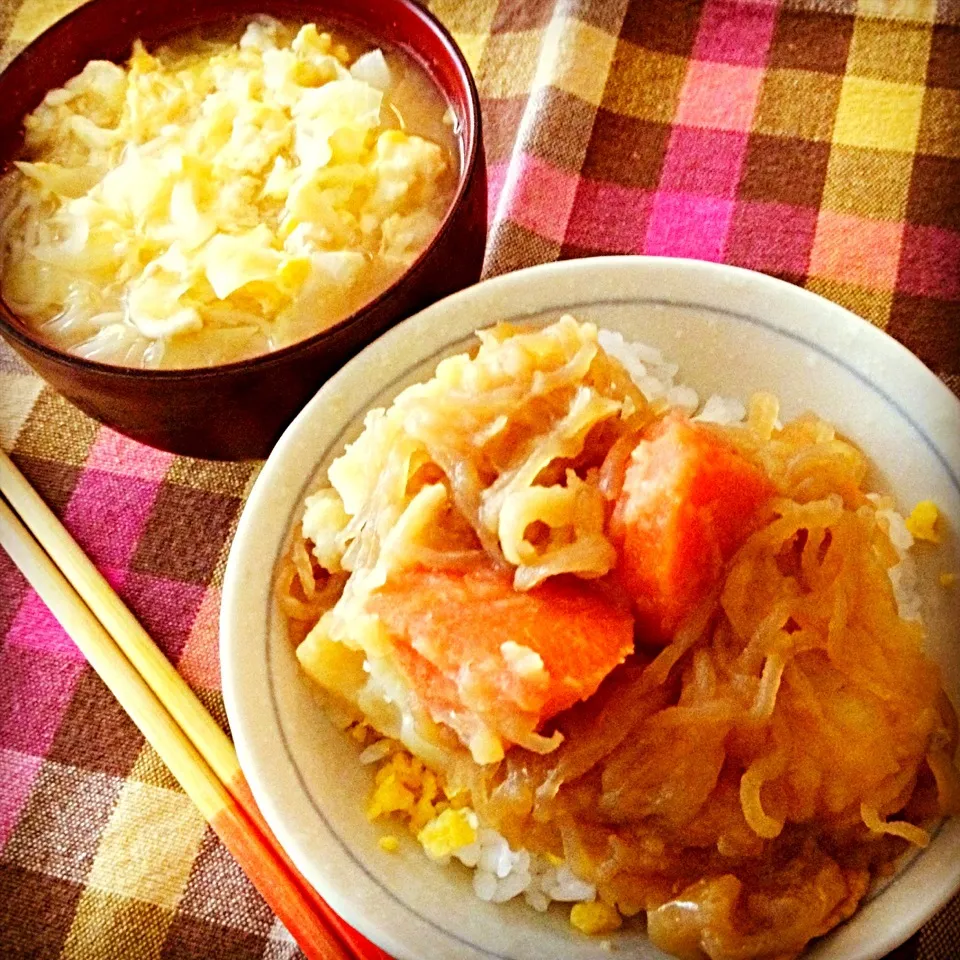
[(238, 410)]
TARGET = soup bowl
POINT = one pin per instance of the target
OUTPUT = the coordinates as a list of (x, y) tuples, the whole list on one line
[(237, 410)]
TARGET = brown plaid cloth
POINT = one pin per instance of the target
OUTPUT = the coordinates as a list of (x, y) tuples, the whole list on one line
[(817, 140)]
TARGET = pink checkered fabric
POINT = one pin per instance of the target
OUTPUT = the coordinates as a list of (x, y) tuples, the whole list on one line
[(816, 140)]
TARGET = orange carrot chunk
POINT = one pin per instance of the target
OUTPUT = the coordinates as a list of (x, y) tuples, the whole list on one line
[(471, 637), (689, 500)]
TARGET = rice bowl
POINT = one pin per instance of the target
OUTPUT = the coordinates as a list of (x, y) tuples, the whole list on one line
[(676, 330)]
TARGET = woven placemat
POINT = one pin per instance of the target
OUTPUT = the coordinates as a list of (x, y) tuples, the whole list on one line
[(816, 141)]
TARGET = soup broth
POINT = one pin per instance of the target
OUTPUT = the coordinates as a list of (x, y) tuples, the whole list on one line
[(224, 195)]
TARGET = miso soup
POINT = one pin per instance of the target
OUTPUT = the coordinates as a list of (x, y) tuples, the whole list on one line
[(224, 195)]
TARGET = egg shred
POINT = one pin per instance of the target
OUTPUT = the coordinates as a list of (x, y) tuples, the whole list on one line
[(743, 785), (216, 200)]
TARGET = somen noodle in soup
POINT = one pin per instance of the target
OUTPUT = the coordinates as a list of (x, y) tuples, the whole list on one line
[(224, 195)]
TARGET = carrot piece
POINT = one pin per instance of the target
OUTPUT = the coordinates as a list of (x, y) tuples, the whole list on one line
[(689, 500), (471, 637)]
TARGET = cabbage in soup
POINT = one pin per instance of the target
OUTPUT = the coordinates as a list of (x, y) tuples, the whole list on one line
[(224, 195)]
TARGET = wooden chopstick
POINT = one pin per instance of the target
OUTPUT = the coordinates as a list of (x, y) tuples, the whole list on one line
[(269, 874), (183, 706), (118, 621)]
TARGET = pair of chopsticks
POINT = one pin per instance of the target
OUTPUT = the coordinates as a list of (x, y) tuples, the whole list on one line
[(168, 713)]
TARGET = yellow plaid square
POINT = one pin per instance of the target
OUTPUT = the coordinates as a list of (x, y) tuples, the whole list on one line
[(871, 304), (886, 50), (150, 769), (923, 11), (797, 103), (18, 393), (106, 924), (868, 183), (878, 114), (473, 46), (469, 23), (34, 16), (148, 847), (648, 83), (474, 17), (509, 64), (578, 58)]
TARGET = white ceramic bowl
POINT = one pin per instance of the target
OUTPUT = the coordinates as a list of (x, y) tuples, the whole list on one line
[(733, 332)]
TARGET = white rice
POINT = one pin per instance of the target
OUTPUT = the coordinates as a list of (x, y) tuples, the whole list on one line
[(655, 378), (903, 575), (377, 751), (500, 874), (719, 409)]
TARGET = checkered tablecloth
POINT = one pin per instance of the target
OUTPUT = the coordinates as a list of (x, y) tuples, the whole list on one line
[(817, 140)]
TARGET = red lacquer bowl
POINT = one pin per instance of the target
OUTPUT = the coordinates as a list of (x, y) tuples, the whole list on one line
[(237, 410)]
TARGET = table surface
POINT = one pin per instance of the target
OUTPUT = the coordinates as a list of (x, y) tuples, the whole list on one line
[(816, 140)]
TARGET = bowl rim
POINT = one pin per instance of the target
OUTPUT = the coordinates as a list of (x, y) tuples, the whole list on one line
[(828, 321), (472, 138)]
